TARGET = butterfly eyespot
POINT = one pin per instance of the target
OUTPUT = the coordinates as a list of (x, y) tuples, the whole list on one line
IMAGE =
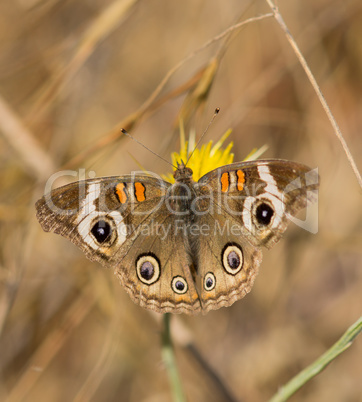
[(101, 231), (209, 281), (232, 258), (179, 285), (148, 268), (264, 214)]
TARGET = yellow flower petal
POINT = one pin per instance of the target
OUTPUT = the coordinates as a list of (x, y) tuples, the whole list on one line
[(205, 158)]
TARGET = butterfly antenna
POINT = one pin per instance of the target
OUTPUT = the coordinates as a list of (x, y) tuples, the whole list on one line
[(217, 110), (144, 146)]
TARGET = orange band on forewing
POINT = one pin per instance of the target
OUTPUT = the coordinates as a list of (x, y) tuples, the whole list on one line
[(225, 182), (240, 180), (139, 191), (121, 193)]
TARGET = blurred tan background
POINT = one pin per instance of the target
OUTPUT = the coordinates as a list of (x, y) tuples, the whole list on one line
[(72, 71)]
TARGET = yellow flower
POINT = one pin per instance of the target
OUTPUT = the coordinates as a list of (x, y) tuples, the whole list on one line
[(206, 158), (203, 159)]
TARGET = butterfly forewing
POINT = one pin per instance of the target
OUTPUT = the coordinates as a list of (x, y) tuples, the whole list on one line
[(85, 211), (260, 195)]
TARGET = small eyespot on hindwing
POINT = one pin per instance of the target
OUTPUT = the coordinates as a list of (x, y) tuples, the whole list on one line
[(148, 268), (232, 258)]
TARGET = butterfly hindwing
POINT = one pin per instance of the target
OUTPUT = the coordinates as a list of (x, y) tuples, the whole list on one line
[(227, 263), (157, 269)]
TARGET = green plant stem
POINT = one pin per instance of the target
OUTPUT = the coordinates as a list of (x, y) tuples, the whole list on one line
[(169, 360), (315, 368)]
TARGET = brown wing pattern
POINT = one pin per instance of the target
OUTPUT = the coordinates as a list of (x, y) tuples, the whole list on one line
[(167, 263), (285, 186)]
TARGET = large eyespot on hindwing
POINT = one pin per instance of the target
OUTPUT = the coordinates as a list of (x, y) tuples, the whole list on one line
[(103, 230), (263, 212), (179, 285), (148, 268), (209, 281), (232, 258)]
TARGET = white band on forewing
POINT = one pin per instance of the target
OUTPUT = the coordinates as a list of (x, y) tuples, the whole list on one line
[(88, 212)]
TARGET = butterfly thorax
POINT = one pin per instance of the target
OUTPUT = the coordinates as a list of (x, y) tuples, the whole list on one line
[(182, 192)]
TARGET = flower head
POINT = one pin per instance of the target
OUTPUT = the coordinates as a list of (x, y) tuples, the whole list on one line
[(207, 157), (203, 159)]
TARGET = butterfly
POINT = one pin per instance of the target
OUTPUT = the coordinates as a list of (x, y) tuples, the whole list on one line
[(187, 247)]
